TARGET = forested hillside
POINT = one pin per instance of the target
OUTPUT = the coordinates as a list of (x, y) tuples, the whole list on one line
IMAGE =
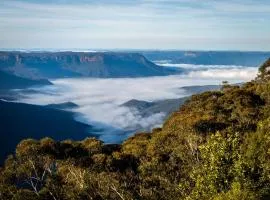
[(19, 121), (217, 146)]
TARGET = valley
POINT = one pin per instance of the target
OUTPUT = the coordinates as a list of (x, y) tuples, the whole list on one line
[(78, 88)]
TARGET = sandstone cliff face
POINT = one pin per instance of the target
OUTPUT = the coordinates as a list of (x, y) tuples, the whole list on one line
[(72, 64)]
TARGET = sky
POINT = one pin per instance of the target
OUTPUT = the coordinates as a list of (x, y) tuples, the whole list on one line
[(136, 24)]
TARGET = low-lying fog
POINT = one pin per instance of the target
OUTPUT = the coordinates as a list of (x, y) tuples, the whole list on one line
[(99, 100)]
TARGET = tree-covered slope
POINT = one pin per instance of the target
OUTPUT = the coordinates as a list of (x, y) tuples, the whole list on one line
[(216, 146)]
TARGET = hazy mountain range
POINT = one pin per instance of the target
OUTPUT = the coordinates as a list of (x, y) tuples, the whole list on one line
[(10, 81), (50, 65), (208, 57), (37, 65)]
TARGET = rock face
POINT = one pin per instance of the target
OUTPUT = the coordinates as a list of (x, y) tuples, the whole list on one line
[(79, 64)]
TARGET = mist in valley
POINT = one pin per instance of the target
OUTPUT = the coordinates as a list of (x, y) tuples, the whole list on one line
[(100, 100)]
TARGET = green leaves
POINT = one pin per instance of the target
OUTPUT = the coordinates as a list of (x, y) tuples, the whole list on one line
[(216, 170)]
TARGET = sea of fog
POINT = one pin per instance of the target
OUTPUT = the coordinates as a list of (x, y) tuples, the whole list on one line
[(100, 100)]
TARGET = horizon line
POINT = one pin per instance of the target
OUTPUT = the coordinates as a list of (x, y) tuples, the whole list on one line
[(124, 49)]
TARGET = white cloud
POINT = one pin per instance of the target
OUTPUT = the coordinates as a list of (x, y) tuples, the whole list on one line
[(244, 74), (99, 99)]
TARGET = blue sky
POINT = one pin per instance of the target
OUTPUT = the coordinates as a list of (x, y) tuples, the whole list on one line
[(136, 24)]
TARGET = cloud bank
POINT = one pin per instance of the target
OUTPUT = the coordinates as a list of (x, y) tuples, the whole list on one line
[(215, 71), (99, 99)]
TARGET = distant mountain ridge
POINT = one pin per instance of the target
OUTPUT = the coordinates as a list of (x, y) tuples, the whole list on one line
[(167, 106), (36, 65), (10, 81), (63, 106), (251, 59), (147, 109)]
